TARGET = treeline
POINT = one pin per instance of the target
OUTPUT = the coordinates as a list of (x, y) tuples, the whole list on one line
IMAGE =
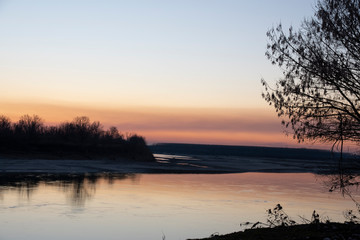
[(79, 138)]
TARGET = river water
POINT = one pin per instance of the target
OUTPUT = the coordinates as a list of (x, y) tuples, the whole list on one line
[(150, 206)]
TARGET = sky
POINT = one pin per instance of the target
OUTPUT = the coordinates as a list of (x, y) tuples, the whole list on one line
[(172, 71)]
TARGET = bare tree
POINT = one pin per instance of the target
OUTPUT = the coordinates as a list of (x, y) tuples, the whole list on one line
[(113, 133), (30, 126), (318, 96), (5, 125)]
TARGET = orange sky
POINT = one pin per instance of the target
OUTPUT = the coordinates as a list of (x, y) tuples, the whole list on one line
[(164, 124)]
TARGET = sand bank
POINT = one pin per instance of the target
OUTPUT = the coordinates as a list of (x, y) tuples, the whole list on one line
[(166, 164)]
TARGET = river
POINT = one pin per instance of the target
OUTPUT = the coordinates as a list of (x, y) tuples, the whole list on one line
[(150, 206)]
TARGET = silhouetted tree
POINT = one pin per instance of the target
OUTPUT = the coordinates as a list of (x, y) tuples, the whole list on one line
[(136, 140), (81, 127), (5, 125), (29, 126), (319, 94), (6, 131), (113, 133), (81, 138), (95, 129)]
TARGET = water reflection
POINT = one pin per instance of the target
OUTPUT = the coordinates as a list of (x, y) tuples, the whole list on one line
[(345, 181), (78, 187), (129, 206)]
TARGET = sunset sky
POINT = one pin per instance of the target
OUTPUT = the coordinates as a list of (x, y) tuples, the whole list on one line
[(172, 71)]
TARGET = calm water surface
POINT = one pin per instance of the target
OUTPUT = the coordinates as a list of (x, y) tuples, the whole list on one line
[(147, 206)]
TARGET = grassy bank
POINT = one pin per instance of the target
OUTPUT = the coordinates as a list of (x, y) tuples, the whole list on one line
[(321, 231), (280, 226)]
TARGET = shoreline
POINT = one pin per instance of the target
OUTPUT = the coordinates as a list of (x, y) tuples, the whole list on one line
[(181, 158), (195, 164), (320, 231)]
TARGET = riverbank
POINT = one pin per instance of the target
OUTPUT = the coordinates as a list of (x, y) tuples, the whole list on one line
[(183, 158), (330, 231), (164, 164)]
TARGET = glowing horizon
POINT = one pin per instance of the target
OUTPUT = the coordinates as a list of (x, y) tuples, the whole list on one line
[(256, 127)]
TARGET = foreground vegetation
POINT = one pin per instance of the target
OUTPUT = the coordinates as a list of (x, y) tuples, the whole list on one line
[(78, 139), (321, 231), (280, 226)]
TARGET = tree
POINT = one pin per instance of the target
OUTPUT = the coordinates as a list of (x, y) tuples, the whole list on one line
[(113, 133), (5, 125), (30, 126), (5, 129), (318, 96)]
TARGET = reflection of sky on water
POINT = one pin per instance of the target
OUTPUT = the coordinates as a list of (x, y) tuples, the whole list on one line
[(164, 158), (144, 206), (177, 159)]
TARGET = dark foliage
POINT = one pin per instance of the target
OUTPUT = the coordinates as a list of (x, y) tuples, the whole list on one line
[(280, 226), (297, 232), (80, 138), (319, 95)]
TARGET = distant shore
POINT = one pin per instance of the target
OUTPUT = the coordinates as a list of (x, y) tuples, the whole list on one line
[(30, 138)]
